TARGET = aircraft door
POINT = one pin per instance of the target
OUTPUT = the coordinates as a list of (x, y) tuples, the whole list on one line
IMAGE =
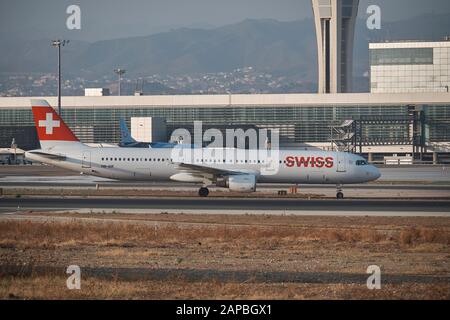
[(86, 160), (341, 162)]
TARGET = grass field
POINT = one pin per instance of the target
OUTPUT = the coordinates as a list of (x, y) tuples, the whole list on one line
[(164, 256)]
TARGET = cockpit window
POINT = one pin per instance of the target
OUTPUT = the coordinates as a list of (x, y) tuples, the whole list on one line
[(361, 163)]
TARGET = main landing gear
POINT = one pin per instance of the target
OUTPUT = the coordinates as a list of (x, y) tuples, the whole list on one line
[(339, 193), (203, 192)]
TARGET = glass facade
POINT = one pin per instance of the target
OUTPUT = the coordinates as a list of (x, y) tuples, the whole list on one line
[(406, 70), (437, 123), (297, 124), (401, 56)]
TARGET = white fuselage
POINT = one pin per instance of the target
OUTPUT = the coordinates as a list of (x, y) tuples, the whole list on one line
[(290, 166)]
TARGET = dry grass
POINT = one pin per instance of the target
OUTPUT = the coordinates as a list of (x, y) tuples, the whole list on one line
[(237, 244), (58, 234), (51, 287), (125, 252)]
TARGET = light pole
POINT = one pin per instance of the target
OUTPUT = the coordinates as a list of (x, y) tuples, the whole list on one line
[(119, 72), (58, 43)]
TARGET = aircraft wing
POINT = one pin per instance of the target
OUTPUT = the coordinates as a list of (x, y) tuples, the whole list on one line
[(202, 170)]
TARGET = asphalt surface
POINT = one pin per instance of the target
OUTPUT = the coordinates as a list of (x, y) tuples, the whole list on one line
[(251, 276), (228, 204), (191, 187)]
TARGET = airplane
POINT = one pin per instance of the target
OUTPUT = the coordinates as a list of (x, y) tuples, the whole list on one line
[(127, 141), (240, 173)]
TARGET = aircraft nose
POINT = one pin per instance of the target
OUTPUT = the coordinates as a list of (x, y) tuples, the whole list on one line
[(375, 172)]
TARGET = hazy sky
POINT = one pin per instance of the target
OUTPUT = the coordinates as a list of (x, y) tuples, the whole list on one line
[(106, 19)]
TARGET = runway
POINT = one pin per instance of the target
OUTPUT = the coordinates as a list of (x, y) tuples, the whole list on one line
[(204, 275), (234, 206), (402, 191), (91, 182)]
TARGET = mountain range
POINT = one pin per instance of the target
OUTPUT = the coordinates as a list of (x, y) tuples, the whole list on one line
[(279, 48)]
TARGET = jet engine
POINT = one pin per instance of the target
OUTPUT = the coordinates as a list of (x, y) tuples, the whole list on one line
[(239, 183)]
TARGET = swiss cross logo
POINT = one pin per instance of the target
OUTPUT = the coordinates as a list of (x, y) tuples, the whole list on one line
[(49, 123)]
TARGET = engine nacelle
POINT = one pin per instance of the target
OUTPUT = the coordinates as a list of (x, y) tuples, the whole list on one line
[(242, 183)]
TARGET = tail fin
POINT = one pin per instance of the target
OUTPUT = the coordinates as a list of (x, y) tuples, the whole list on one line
[(49, 125), (125, 136)]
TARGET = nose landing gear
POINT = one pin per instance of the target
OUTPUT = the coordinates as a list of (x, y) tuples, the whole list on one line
[(339, 193), (203, 192)]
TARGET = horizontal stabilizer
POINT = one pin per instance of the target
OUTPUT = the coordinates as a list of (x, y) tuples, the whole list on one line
[(49, 156)]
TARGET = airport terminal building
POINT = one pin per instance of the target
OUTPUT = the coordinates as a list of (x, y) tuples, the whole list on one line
[(406, 114), (410, 66), (378, 125)]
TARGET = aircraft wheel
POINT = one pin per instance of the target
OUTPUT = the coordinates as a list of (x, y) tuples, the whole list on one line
[(203, 192), (339, 195)]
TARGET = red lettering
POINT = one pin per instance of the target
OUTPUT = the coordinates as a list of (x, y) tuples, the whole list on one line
[(329, 162), (320, 162), (290, 162), (305, 162), (302, 161)]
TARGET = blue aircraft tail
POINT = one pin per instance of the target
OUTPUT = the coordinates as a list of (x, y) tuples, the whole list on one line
[(127, 141), (125, 136)]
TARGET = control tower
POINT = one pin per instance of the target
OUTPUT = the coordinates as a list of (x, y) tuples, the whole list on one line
[(335, 28)]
